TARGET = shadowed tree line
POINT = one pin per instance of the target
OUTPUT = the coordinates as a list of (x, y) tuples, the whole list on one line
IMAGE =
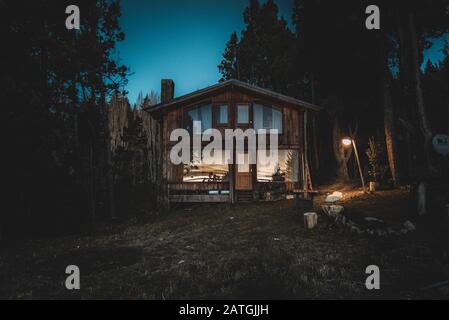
[(370, 81), (55, 87)]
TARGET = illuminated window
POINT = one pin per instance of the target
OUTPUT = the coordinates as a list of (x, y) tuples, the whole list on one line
[(242, 162), (206, 173), (285, 169)]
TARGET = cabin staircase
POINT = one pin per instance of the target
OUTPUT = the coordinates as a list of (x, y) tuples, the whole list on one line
[(244, 196)]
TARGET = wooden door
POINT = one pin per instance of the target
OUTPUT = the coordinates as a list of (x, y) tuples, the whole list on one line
[(243, 176), (243, 172)]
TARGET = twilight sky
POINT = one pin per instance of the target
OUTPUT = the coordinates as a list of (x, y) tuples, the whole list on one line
[(183, 40)]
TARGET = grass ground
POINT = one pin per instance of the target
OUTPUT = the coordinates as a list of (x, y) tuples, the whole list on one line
[(219, 251)]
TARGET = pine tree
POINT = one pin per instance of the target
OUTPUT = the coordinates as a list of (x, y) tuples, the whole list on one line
[(229, 66), (264, 53)]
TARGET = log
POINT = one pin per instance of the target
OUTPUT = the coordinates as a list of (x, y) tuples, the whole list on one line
[(310, 220)]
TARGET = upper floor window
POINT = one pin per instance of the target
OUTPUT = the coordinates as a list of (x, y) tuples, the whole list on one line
[(267, 118), (242, 114), (200, 113), (221, 114)]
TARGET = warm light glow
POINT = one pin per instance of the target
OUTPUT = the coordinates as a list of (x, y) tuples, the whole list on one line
[(346, 141)]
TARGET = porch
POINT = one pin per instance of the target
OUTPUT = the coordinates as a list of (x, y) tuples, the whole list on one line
[(195, 192)]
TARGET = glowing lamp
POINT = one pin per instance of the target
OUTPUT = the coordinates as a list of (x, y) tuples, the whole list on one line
[(346, 142)]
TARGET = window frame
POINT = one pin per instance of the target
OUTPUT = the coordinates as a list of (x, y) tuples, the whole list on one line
[(199, 104), (272, 106), (298, 175), (215, 110), (250, 122)]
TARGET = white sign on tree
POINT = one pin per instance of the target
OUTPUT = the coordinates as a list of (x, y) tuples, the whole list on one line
[(441, 144)]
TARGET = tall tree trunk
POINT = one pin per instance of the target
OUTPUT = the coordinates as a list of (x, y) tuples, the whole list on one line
[(389, 128), (406, 100), (422, 116), (341, 157), (109, 167), (91, 185), (91, 167)]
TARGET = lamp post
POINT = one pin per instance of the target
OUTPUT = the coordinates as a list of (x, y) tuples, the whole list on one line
[(347, 142)]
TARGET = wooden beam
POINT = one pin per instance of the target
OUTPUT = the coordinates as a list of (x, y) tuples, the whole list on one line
[(199, 186), (199, 198)]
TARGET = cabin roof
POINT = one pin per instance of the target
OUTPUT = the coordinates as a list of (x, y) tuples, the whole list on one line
[(180, 101)]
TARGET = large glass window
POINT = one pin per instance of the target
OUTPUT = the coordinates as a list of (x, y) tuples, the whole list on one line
[(267, 118), (206, 173), (221, 114), (242, 162), (285, 169), (201, 113)]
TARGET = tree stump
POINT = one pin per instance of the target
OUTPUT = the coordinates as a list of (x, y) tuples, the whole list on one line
[(310, 220)]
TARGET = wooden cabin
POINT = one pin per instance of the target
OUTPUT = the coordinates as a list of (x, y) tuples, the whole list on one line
[(230, 105)]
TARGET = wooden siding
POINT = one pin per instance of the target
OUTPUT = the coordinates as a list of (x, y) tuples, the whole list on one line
[(173, 120), (291, 137)]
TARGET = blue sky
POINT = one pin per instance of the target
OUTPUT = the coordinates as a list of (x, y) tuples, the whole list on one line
[(184, 40), (435, 53), (179, 40)]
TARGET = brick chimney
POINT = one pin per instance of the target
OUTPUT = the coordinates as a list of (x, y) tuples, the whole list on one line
[(167, 90)]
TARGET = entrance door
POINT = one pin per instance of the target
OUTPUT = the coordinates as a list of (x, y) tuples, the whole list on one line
[(243, 175), (243, 171)]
